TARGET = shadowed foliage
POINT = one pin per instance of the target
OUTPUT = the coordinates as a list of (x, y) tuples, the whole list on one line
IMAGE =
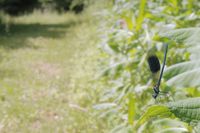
[(19, 33), (19, 7)]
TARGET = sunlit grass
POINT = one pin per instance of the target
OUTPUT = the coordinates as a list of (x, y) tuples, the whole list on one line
[(47, 64)]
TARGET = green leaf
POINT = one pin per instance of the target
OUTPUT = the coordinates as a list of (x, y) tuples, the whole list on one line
[(141, 14), (154, 111), (181, 68), (174, 130), (131, 109), (187, 110), (185, 74), (114, 67), (189, 36), (190, 78)]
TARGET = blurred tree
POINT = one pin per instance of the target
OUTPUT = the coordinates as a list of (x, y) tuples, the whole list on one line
[(63, 5), (78, 5), (16, 7), (59, 5)]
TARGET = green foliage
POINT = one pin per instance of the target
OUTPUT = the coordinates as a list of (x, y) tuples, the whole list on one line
[(188, 36), (187, 110), (141, 14), (185, 74), (154, 111), (133, 30)]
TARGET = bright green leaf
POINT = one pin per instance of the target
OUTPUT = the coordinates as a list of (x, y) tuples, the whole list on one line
[(154, 111), (131, 109)]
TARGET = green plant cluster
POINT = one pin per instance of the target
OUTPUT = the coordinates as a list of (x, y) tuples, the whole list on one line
[(132, 31)]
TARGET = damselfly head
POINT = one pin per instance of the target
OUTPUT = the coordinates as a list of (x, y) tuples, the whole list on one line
[(154, 63)]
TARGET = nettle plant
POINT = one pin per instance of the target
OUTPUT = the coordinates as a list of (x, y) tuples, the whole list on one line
[(132, 31), (184, 76)]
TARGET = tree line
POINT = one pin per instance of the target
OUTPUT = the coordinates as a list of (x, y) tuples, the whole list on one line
[(18, 7)]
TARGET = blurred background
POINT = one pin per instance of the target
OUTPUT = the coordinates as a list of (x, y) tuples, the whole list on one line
[(48, 59), (80, 66)]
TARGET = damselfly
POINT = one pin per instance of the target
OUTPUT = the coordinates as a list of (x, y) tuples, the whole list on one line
[(154, 65)]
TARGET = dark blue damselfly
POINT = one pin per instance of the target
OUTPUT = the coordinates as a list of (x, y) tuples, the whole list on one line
[(154, 65)]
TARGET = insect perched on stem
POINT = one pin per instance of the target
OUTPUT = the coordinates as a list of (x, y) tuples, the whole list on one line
[(154, 66)]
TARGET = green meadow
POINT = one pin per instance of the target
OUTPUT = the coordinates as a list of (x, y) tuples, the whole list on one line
[(47, 68)]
